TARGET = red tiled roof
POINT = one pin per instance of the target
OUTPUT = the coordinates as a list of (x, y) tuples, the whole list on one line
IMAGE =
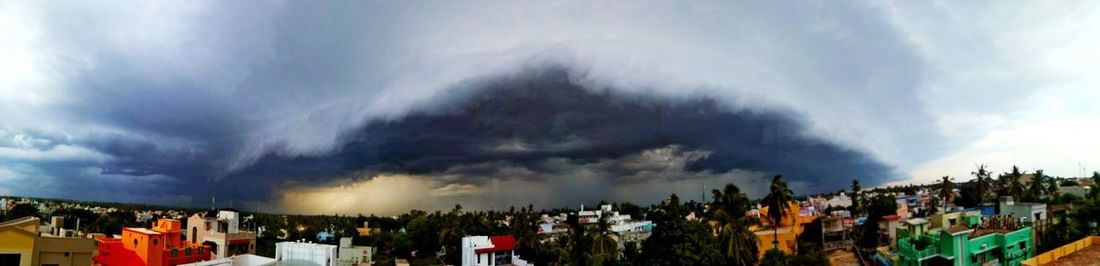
[(500, 243)]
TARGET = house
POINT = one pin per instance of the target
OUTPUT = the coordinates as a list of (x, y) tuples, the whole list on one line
[(350, 255), (302, 253), (997, 240), (161, 245), (22, 244), (1026, 211), (785, 232), (220, 230), (833, 234), (489, 251)]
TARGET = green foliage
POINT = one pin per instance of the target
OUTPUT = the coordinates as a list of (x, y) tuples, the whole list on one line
[(22, 210), (880, 205), (681, 243), (736, 243), (776, 257), (778, 201)]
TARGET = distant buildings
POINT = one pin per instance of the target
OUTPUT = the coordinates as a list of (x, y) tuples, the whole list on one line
[(490, 251), (161, 245), (24, 242), (220, 230)]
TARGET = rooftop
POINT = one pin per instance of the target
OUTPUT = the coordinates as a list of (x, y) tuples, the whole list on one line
[(955, 230), (143, 230), (1086, 256)]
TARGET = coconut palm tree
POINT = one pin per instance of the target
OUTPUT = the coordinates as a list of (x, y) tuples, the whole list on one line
[(856, 197), (1035, 189), (983, 181), (1010, 183), (778, 201), (945, 190), (1052, 187), (738, 244)]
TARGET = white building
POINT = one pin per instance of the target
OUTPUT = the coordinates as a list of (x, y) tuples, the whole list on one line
[(239, 260), (221, 230), (1026, 211), (298, 253), (350, 255), (490, 251)]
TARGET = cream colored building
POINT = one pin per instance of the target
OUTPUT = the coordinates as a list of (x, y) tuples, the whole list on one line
[(23, 244)]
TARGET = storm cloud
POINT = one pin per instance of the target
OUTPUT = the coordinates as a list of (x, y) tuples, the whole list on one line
[(173, 103)]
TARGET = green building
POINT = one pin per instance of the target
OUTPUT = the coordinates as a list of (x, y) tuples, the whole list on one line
[(996, 240)]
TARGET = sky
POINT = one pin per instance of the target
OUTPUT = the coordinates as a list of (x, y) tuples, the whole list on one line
[(381, 107)]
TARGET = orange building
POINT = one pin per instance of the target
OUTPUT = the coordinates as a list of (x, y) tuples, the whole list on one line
[(789, 228), (161, 245)]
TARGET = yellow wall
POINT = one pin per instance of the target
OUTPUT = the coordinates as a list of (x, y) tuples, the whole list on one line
[(788, 234), (788, 241), (17, 242), (1054, 254), (51, 250)]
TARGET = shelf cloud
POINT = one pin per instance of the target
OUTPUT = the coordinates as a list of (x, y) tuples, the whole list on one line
[(174, 103)]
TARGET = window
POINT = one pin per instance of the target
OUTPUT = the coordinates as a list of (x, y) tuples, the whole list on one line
[(155, 242), (135, 243), (187, 252), (175, 253), (10, 259)]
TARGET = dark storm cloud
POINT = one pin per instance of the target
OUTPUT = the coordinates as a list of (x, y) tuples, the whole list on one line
[(208, 98), (527, 119)]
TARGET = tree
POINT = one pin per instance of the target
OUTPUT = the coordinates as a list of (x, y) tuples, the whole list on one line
[(737, 243), (778, 201), (1010, 183), (1052, 187), (945, 190), (1035, 190), (856, 198), (983, 182), (880, 205), (23, 210), (680, 242), (776, 257)]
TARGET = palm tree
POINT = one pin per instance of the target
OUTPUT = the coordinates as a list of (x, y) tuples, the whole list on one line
[(778, 201), (604, 248), (1010, 183), (945, 190), (737, 242), (1035, 189), (983, 182), (1052, 187), (855, 196)]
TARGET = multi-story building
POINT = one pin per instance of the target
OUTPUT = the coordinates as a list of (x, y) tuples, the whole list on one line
[(786, 235), (833, 233), (221, 231), (352, 255), (161, 245), (490, 251), (996, 240), (23, 242)]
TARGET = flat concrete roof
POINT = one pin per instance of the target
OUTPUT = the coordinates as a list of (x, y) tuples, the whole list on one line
[(143, 230)]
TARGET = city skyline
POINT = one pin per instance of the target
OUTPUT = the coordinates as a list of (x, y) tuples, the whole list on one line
[(378, 107)]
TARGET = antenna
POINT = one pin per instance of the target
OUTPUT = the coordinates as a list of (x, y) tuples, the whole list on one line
[(703, 195)]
